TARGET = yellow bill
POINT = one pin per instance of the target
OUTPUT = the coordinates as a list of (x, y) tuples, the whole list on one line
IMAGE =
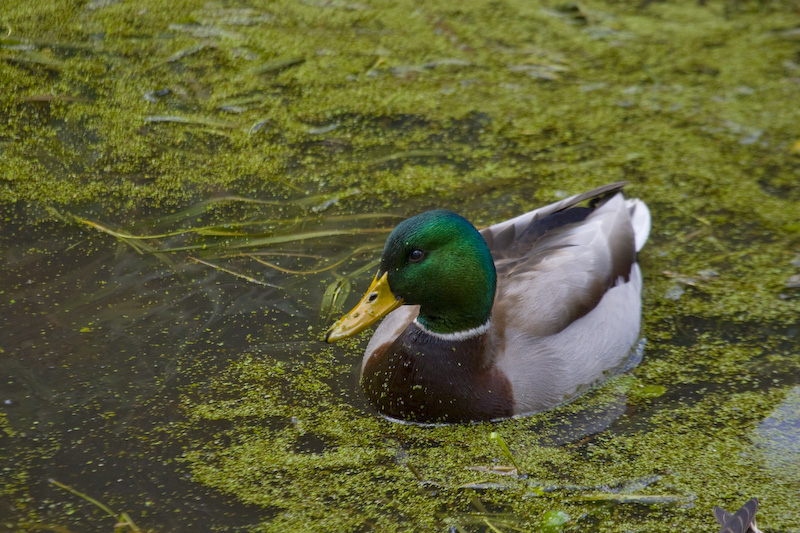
[(377, 303)]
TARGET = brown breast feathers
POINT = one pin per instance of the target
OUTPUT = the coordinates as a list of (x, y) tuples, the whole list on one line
[(422, 378)]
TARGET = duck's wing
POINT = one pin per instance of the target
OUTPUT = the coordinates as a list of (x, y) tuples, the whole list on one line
[(741, 522), (501, 236), (555, 264)]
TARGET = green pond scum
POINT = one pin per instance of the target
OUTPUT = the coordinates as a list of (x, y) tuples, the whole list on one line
[(244, 141)]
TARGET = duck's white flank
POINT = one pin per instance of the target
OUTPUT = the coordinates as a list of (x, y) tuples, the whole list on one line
[(640, 220)]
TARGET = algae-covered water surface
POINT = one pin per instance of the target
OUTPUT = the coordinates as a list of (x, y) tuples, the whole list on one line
[(190, 192)]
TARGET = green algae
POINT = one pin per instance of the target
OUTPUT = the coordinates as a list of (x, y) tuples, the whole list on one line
[(487, 107), (701, 448), (666, 125)]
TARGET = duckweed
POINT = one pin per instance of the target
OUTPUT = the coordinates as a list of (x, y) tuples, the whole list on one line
[(486, 107)]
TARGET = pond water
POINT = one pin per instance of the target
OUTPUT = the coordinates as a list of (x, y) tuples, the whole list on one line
[(190, 194), (121, 365), (96, 334)]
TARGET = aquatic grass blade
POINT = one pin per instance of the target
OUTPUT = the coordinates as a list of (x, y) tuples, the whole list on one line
[(123, 519)]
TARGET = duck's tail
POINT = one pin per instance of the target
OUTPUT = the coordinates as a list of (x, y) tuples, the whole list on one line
[(640, 220)]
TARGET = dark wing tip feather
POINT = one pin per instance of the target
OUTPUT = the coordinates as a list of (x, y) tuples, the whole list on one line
[(721, 515), (598, 195), (740, 522)]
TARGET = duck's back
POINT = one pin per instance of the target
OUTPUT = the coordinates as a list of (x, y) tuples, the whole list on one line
[(568, 305)]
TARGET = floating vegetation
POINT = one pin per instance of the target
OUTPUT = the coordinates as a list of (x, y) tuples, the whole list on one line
[(320, 130), (314, 270), (543, 72), (154, 96), (149, 331), (186, 52), (198, 121), (205, 31), (235, 16), (409, 154), (53, 98), (28, 56), (278, 65), (234, 274), (335, 296), (131, 240), (221, 242), (497, 439), (644, 499), (123, 520), (404, 70)]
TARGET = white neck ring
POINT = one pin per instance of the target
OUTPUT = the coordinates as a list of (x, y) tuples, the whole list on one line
[(458, 335)]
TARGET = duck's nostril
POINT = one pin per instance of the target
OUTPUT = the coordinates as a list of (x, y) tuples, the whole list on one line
[(372, 297)]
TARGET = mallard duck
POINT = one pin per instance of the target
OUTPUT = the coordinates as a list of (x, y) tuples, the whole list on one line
[(513, 319)]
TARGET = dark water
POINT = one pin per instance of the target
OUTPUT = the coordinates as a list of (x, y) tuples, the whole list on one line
[(96, 342), (93, 339)]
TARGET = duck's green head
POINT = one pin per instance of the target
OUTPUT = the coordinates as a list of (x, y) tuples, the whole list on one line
[(436, 260)]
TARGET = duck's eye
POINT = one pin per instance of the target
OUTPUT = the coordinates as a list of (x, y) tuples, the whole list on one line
[(416, 256)]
